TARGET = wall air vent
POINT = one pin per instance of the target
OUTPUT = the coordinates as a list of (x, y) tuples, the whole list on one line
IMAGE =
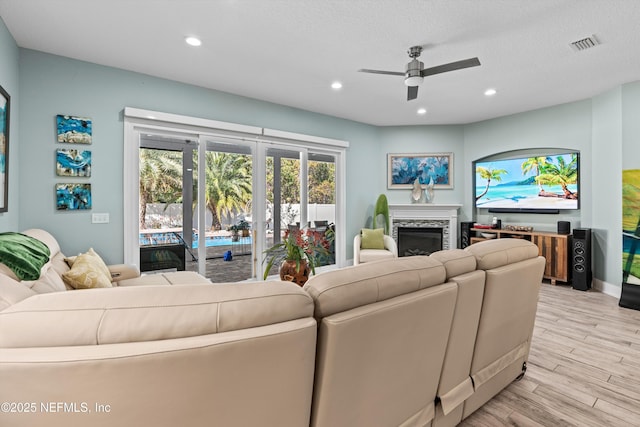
[(585, 43)]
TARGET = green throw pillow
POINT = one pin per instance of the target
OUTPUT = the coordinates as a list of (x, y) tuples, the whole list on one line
[(372, 239)]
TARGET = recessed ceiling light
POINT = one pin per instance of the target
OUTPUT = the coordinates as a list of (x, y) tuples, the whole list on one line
[(193, 41), (336, 85), (422, 111), (490, 92)]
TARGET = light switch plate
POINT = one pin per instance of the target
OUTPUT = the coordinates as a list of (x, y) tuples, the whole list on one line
[(100, 218)]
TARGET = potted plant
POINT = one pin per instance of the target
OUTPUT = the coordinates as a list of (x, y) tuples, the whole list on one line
[(242, 227), (297, 255), (235, 232)]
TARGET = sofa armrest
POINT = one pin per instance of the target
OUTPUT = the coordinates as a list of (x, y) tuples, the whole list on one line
[(123, 272), (148, 313)]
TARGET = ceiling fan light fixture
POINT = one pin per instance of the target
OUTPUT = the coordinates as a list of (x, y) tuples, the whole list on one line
[(193, 41), (415, 72), (413, 80)]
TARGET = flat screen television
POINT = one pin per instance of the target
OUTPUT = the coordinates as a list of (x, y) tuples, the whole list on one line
[(531, 183)]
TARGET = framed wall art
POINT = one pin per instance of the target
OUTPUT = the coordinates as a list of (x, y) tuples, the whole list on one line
[(74, 130), (403, 169), (5, 107), (72, 196), (70, 162)]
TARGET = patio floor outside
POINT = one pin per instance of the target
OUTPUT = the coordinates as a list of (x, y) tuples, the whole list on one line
[(219, 268), (220, 271)]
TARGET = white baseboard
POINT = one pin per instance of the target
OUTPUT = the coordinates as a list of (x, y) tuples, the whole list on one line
[(607, 288)]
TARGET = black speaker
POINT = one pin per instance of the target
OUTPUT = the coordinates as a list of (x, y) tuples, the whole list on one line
[(581, 259), (465, 234), (564, 227)]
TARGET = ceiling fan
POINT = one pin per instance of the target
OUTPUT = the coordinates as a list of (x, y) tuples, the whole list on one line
[(415, 72)]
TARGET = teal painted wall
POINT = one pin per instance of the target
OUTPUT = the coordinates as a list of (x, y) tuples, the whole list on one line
[(604, 127), (606, 209), (52, 85), (9, 55), (631, 125), (424, 139), (563, 126)]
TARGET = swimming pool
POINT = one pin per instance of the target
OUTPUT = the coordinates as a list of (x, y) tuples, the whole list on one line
[(162, 238)]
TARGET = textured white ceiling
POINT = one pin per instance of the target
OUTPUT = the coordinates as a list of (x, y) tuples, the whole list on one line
[(289, 51)]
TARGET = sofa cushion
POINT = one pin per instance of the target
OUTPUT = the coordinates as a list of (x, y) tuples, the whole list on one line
[(350, 287), (45, 238), (49, 280), (456, 261), (12, 292), (172, 278), (496, 253), (370, 255), (6, 271), (372, 239), (148, 313), (88, 271)]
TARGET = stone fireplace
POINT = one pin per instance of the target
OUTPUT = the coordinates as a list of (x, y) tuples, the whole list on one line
[(423, 228)]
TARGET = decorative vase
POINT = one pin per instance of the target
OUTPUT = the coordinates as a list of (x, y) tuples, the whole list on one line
[(429, 193), (295, 271)]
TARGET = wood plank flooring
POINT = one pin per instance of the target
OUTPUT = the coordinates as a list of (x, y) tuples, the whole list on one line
[(583, 369)]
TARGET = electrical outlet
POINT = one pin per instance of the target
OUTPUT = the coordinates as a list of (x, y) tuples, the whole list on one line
[(100, 218)]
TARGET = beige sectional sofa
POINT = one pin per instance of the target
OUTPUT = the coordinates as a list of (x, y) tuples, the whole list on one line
[(414, 341)]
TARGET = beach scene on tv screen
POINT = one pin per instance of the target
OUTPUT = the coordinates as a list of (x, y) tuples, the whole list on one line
[(544, 182)]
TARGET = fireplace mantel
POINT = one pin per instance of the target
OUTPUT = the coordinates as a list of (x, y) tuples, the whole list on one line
[(424, 213)]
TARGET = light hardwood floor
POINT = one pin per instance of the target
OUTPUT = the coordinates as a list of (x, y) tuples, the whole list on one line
[(583, 369)]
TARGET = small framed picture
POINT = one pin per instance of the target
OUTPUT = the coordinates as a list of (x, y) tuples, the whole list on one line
[(74, 130), (403, 169), (5, 104), (75, 163), (72, 196)]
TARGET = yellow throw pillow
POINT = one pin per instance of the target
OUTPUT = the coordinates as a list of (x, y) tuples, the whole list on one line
[(88, 271), (372, 239)]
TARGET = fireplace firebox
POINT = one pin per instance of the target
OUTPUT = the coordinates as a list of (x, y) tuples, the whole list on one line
[(419, 240)]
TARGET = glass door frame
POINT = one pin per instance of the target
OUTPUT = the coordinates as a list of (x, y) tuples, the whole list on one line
[(257, 245), (132, 180), (187, 147), (138, 120)]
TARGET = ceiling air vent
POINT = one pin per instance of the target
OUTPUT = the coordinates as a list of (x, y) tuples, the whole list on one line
[(585, 43)]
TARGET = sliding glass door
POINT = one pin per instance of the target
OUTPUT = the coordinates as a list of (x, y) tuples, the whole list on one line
[(214, 202), (301, 196), (321, 207), (165, 211), (228, 231)]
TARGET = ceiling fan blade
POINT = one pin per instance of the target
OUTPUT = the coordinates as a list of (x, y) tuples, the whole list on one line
[(412, 92), (452, 66), (393, 73)]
